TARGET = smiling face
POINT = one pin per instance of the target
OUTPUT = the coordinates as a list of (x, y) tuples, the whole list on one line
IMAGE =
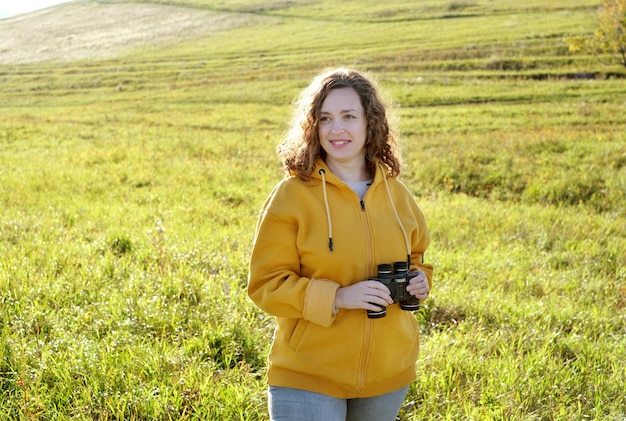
[(342, 129)]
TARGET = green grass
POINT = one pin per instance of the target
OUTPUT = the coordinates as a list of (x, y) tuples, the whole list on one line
[(129, 190)]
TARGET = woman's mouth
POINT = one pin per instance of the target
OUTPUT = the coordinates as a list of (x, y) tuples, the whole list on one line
[(340, 143)]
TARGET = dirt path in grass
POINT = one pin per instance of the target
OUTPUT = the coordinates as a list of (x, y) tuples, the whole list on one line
[(86, 30)]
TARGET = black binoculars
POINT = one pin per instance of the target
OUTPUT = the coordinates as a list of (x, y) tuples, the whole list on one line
[(395, 278)]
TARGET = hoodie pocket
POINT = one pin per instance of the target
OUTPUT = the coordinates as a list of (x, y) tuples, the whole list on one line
[(298, 334), (395, 345)]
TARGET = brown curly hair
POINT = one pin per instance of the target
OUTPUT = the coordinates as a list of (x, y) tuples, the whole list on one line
[(301, 147)]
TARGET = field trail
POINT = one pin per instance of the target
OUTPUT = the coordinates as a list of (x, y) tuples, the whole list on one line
[(85, 30)]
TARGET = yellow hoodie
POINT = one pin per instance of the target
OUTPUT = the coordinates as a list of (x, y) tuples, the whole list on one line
[(294, 276)]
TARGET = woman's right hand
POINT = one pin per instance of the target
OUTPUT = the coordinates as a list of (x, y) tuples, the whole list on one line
[(367, 295)]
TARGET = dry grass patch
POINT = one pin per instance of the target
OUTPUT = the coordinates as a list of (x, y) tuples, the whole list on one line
[(83, 30)]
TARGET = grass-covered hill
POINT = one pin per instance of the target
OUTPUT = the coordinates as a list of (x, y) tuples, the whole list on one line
[(137, 144)]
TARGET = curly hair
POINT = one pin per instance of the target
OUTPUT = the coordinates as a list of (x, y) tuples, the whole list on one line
[(301, 147)]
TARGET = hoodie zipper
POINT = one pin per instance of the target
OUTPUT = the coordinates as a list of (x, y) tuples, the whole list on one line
[(367, 328)]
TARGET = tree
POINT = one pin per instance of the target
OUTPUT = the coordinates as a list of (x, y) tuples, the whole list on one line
[(609, 38)]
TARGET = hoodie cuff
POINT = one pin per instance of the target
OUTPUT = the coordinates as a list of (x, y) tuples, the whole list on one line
[(318, 303)]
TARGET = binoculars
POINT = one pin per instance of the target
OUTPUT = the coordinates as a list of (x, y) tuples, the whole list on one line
[(396, 278)]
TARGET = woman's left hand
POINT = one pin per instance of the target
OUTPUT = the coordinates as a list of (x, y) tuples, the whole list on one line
[(418, 286)]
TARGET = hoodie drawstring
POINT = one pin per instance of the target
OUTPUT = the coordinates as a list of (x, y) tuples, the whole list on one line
[(322, 172), (406, 237)]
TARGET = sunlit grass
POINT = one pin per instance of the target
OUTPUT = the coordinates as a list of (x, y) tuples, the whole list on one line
[(129, 190)]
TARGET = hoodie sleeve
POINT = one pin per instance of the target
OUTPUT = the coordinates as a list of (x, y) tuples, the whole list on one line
[(274, 281)]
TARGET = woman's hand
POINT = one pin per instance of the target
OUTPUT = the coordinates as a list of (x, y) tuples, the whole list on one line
[(367, 295), (418, 286)]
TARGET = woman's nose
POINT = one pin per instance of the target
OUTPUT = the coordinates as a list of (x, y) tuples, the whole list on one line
[(337, 127)]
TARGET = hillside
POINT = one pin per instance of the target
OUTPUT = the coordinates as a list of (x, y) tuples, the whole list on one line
[(434, 33)]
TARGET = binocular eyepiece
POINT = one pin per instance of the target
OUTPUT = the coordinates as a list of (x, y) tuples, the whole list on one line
[(395, 278)]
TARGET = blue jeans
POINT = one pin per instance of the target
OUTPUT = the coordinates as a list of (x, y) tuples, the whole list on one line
[(287, 404)]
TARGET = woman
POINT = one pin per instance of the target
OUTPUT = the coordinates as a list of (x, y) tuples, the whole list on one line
[(321, 234)]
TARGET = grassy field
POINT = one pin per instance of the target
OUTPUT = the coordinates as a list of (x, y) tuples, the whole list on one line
[(129, 189)]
